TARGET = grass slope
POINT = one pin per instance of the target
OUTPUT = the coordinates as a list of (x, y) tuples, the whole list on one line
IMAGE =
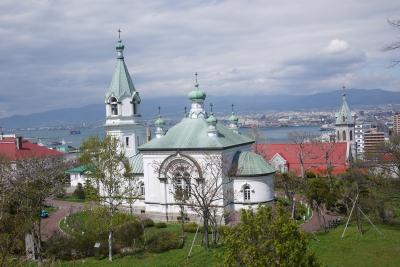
[(175, 257), (370, 249)]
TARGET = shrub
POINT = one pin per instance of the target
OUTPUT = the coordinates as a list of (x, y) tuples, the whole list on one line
[(58, 247), (129, 234), (148, 222), (190, 227), (79, 192), (163, 241), (161, 225)]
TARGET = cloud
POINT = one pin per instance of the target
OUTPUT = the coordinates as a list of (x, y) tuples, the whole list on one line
[(336, 46), (58, 54)]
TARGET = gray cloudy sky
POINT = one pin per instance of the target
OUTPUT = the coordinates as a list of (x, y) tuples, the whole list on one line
[(56, 54)]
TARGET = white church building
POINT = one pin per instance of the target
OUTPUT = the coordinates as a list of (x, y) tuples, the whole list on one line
[(197, 137)]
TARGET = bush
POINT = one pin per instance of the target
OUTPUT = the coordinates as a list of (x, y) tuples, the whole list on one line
[(161, 225), (58, 247), (148, 222), (79, 192), (190, 227), (163, 241), (129, 234)]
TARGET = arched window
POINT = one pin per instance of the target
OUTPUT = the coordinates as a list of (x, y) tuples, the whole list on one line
[(114, 106), (338, 135), (343, 118), (141, 189), (246, 193), (351, 135), (344, 135), (182, 183)]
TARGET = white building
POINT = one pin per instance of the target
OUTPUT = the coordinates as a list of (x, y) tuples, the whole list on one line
[(246, 176), (360, 130)]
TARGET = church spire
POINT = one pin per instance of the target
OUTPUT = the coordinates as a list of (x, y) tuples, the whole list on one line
[(159, 123), (233, 121), (344, 115), (197, 97), (121, 84)]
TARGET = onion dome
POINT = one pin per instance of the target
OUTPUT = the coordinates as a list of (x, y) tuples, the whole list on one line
[(212, 120), (233, 118), (159, 122), (120, 45), (197, 95)]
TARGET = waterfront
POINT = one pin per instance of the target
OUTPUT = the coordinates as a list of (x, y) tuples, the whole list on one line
[(265, 135)]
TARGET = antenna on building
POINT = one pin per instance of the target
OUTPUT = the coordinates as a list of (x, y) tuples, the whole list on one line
[(232, 107), (185, 111), (159, 110), (211, 107), (119, 34)]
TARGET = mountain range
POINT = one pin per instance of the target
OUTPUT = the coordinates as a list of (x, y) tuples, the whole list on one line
[(173, 107)]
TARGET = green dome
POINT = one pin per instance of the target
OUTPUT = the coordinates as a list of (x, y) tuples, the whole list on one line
[(247, 163), (159, 122), (197, 95), (233, 118), (211, 119), (120, 45)]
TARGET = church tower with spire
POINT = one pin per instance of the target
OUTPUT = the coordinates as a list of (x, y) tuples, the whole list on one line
[(345, 122), (122, 103)]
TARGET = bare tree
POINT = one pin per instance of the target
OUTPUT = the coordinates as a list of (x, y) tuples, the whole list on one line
[(33, 181), (387, 157), (302, 139), (204, 185), (396, 44), (112, 174)]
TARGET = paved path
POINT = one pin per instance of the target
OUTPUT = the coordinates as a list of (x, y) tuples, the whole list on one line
[(50, 225), (314, 224)]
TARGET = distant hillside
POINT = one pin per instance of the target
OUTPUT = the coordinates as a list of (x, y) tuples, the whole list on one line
[(173, 107)]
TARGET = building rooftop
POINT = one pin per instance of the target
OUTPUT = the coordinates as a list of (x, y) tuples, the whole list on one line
[(192, 134), (16, 148)]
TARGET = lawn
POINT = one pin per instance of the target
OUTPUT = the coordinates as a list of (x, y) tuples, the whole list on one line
[(175, 257), (370, 249)]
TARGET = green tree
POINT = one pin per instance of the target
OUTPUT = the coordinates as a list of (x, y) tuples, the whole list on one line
[(290, 183), (266, 238), (318, 192), (112, 175)]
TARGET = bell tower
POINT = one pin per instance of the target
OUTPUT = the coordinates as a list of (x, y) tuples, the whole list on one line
[(122, 102), (345, 122)]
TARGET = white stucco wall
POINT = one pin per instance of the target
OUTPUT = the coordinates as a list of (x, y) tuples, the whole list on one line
[(262, 190)]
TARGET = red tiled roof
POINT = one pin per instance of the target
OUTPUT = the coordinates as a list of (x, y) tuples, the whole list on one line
[(315, 156), (8, 149)]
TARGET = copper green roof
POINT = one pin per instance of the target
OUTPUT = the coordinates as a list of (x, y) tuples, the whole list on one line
[(159, 121), (233, 118), (80, 169), (197, 95), (136, 163), (344, 115), (192, 134), (211, 119), (247, 163), (121, 84)]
